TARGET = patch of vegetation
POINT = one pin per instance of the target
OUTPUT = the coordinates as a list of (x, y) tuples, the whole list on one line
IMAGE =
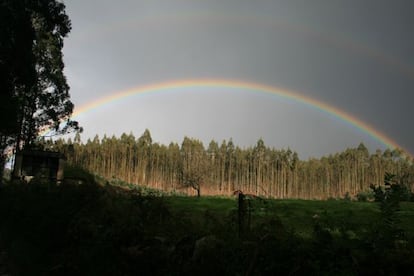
[(365, 196), (75, 175), (105, 228)]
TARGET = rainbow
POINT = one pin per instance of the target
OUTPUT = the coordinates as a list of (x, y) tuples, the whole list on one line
[(242, 85)]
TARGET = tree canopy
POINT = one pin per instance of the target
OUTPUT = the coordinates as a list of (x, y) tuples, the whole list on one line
[(34, 92)]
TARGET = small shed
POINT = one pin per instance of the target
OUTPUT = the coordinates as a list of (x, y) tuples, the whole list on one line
[(39, 163)]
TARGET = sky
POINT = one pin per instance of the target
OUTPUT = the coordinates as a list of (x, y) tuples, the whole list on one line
[(354, 56)]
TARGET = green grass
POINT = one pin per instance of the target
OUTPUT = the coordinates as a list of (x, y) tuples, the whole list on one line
[(406, 216), (301, 215), (298, 215), (202, 204)]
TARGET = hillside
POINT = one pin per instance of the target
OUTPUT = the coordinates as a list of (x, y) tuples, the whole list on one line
[(105, 229)]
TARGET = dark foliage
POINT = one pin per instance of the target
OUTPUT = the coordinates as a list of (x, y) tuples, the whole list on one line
[(34, 94), (102, 229)]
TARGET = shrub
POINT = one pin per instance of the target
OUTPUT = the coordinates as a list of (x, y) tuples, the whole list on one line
[(389, 199), (365, 196)]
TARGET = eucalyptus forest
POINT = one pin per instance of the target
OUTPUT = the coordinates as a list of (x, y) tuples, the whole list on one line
[(222, 168)]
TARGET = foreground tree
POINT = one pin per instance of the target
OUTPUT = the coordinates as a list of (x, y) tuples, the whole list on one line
[(193, 167), (34, 92)]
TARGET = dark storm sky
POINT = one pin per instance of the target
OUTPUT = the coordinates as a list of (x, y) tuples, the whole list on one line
[(354, 55)]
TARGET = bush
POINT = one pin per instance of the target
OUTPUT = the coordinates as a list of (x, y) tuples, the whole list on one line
[(394, 191), (365, 196), (403, 192)]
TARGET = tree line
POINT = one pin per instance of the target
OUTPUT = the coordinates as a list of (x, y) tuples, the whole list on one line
[(222, 168)]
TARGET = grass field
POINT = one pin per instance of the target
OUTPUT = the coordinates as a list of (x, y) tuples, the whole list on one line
[(298, 215), (104, 229)]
